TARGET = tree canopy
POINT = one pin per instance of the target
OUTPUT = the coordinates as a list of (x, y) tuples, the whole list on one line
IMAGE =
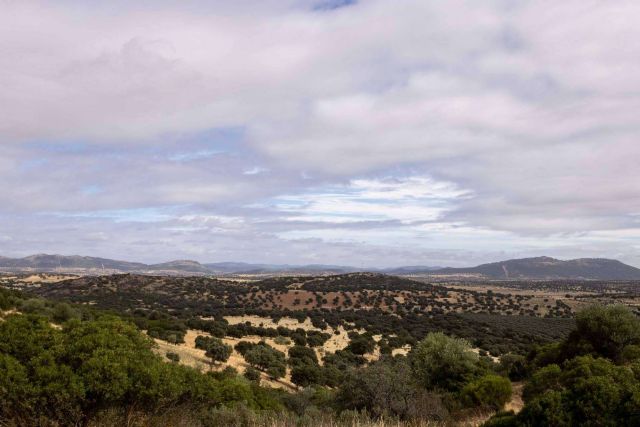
[(443, 362)]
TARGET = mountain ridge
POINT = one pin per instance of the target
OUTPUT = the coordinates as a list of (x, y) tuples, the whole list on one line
[(537, 268), (547, 268)]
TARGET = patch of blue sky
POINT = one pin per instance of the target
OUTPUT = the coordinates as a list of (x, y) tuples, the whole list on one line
[(333, 4), (144, 215), (206, 144), (191, 156)]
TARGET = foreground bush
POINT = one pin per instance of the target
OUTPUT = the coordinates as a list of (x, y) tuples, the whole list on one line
[(443, 362), (67, 376), (586, 391), (604, 331), (389, 388), (491, 391)]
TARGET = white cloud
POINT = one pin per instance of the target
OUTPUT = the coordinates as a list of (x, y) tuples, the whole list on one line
[(255, 170), (411, 199)]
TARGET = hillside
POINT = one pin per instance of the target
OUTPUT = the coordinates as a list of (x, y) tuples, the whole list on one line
[(381, 304), (550, 268)]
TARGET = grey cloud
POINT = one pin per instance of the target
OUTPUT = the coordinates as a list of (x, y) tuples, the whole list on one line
[(530, 107)]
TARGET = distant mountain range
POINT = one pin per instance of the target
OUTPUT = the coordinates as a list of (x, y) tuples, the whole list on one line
[(93, 265), (540, 268)]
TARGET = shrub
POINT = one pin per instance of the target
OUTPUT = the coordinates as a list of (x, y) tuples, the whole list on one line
[(174, 357), (62, 312), (65, 375), (442, 362), (514, 366), (33, 306), (586, 391), (547, 378), (604, 331), (502, 419), (383, 388), (489, 391), (361, 344), (252, 374), (280, 340)]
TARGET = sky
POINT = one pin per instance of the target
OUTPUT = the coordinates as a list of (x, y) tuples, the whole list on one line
[(372, 133)]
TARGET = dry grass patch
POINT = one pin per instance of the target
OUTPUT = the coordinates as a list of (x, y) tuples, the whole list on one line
[(195, 357), (337, 341)]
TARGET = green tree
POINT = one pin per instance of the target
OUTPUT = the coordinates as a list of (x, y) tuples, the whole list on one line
[(306, 374), (16, 392), (604, 331), (442, 362), (361, 344), (267, 359), (218, 351), (214, 348), (586, 391), (302, 355), (62, 312)]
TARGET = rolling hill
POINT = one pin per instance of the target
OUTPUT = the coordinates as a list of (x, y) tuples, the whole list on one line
[(542, 268)]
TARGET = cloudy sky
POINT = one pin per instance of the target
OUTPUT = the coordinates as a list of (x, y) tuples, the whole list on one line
[(368, 133)]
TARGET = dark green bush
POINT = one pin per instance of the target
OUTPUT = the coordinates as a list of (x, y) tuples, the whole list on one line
[(491, 391)]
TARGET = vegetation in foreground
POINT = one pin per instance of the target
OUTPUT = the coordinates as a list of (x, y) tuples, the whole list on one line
[(72, 365)]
